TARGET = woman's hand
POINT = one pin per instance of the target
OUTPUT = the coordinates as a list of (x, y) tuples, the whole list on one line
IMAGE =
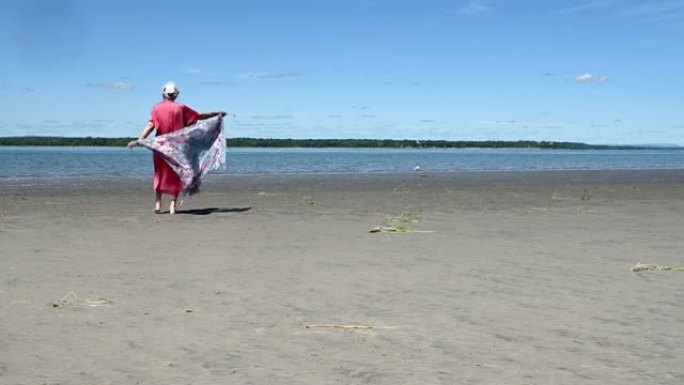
[(132, 143)]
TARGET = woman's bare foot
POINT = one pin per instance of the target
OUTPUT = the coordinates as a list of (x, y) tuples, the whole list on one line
[(172, 207)]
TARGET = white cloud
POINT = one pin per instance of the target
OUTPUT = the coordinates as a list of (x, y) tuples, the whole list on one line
[(522, 124), (272, 117), (52, 127), (270, 75), (589, 78), (678, 15), (116, 86), (216, 83), (656, 10), (474, 8), (591, 5)]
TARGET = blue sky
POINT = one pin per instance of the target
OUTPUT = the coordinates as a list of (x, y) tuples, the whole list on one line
[(595, 71)]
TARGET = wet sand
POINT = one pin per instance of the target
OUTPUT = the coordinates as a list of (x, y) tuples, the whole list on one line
[(513, 278)]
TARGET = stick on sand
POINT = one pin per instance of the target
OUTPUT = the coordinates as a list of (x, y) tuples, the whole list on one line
[(338, 326), (649, 266)]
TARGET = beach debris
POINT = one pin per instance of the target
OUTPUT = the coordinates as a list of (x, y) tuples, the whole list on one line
[(556, 196), (401, 189), (586, 196), (403, 218), (339, 326), (307, 200), (650, 266), (391, 229), (72, 299), (266, 194), (396, 224)]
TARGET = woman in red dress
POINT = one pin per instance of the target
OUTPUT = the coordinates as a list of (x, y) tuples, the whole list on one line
[(168, 116)]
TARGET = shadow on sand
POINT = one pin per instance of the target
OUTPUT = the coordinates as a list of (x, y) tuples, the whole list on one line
[(213, 210)]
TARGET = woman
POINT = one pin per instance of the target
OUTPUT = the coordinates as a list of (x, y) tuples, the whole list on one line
[(168, 116)]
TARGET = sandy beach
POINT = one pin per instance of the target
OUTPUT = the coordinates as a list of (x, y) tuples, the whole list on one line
[(509, 278)]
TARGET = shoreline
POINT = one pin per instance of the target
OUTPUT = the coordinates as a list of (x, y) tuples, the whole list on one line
[(346, 181)]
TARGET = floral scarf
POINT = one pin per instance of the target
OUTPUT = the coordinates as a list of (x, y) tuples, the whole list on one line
[(192, 151)]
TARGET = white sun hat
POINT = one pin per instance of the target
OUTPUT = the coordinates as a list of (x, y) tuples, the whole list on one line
[(170, 89)]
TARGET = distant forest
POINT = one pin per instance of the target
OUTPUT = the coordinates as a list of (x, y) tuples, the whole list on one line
[(318, 143)]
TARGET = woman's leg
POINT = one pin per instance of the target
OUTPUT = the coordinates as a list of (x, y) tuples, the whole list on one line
[(157, 202), (172, 206)]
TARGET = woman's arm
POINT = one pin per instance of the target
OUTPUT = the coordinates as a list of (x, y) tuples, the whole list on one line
[(207, 115), (145, 132)]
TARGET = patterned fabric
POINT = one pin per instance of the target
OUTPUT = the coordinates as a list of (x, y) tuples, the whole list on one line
[(169, 116), (192, 151)]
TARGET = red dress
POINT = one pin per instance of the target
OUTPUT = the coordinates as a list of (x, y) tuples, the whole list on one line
[(168, 116)]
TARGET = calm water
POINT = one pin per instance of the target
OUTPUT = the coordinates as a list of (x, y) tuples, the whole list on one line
[(41, 162)]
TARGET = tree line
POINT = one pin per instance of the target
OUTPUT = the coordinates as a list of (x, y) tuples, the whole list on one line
[(317, 143)]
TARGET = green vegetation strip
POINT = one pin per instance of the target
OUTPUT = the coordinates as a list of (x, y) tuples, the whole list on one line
[(319, 143)]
